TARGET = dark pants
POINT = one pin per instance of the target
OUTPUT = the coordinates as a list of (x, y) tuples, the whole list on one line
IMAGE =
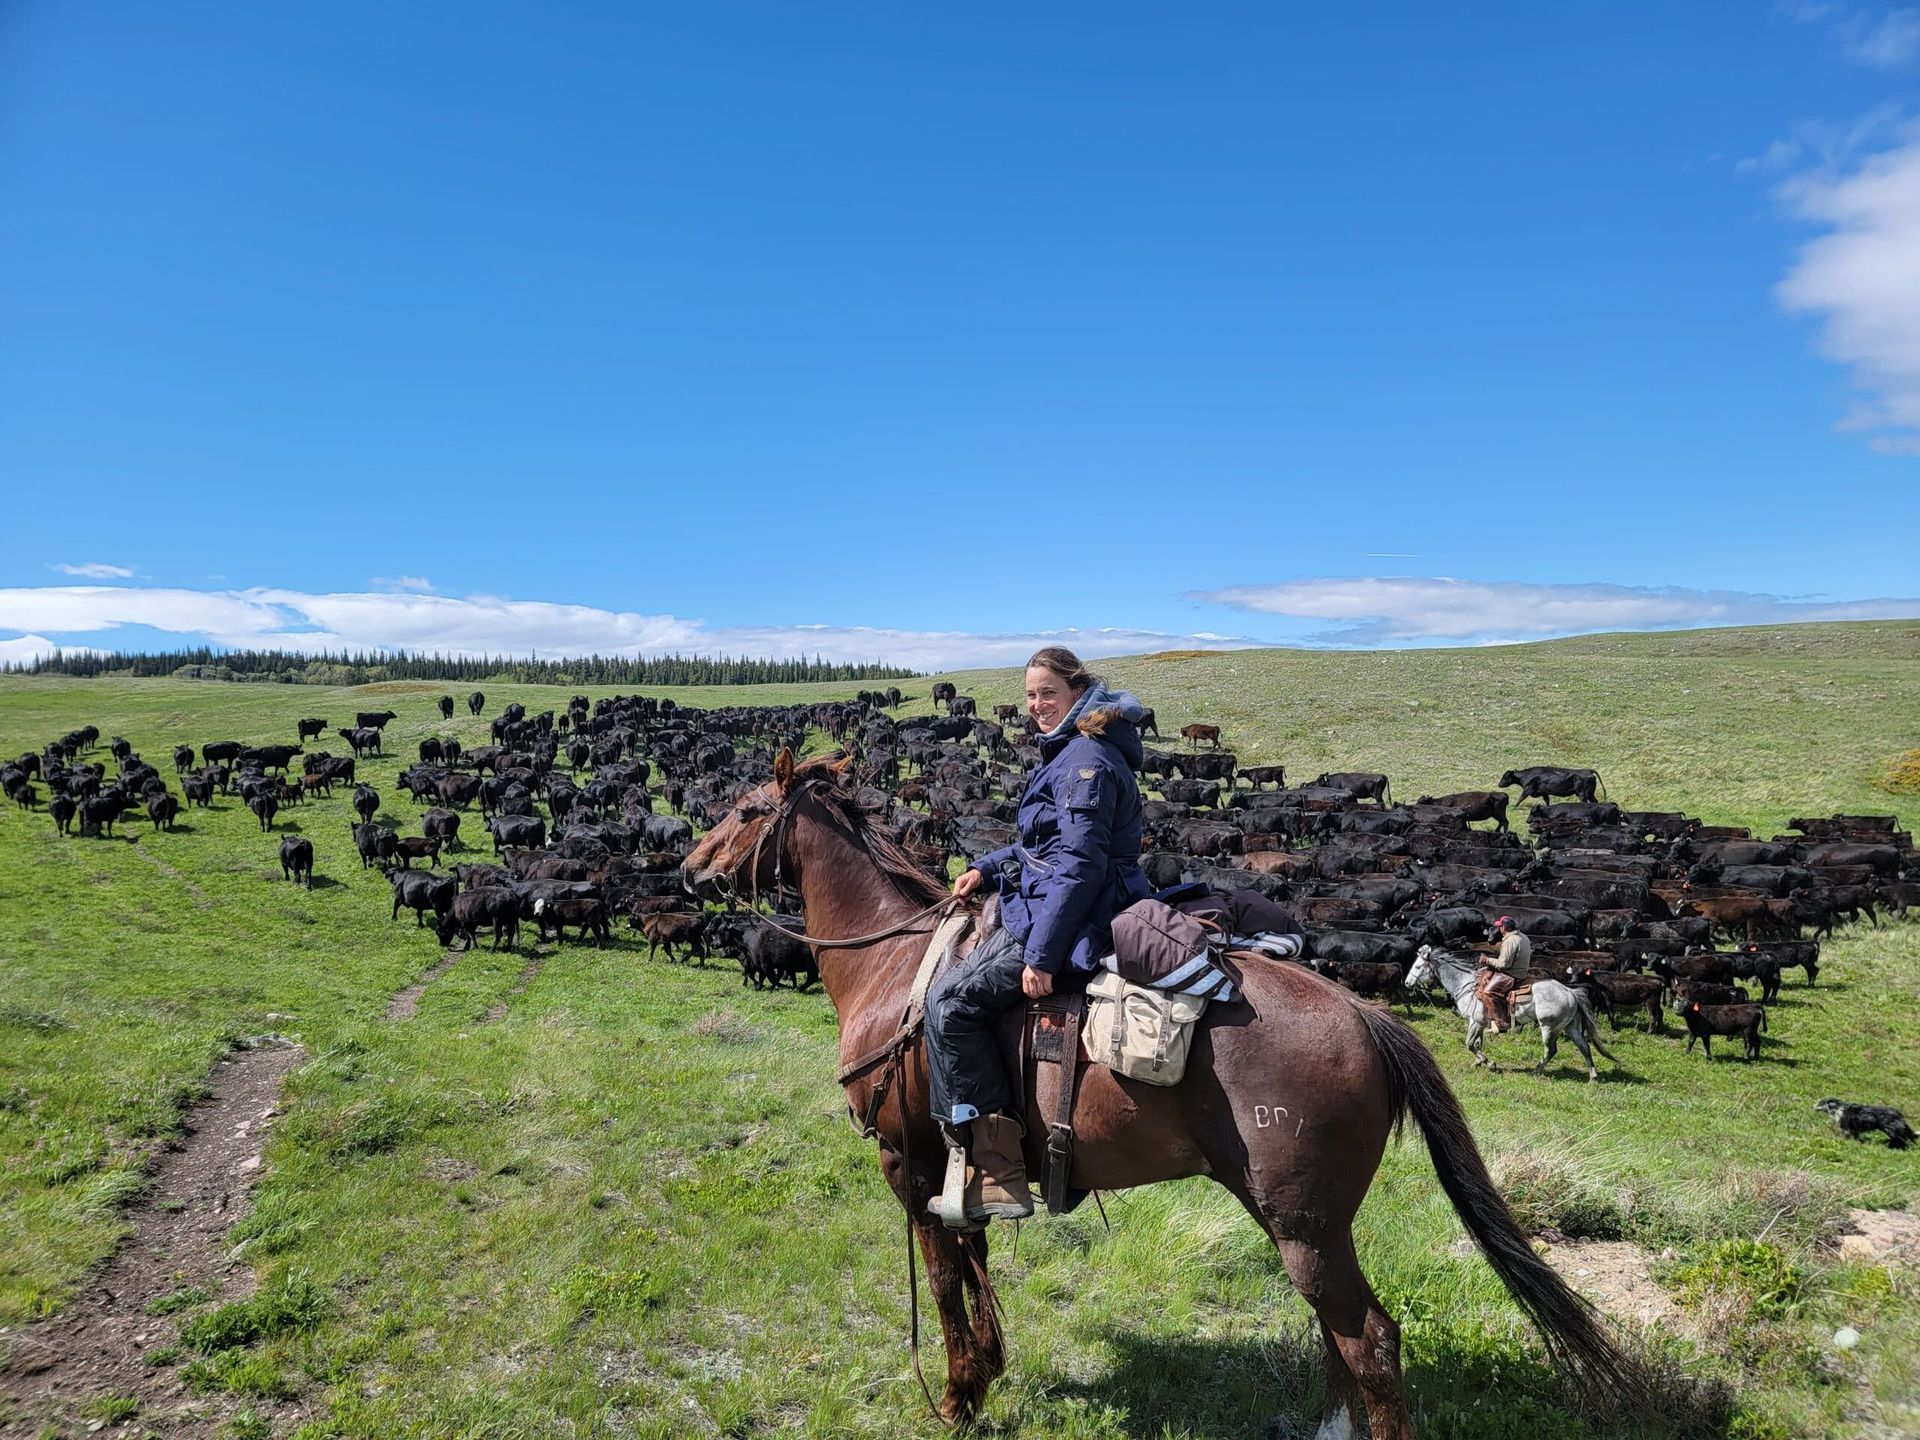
[(963, 1008)]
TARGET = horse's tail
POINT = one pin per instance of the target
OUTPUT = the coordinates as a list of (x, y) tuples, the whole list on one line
[(1567, 1324), (1590, 1023)]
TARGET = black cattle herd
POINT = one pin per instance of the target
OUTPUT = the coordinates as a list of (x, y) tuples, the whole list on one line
[(590, 811)]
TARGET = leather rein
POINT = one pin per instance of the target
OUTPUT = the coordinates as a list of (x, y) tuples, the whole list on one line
[(892, 1052), (909, 926)]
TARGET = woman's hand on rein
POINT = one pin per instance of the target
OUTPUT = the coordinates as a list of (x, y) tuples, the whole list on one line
[(1035, 983), (968, 882)]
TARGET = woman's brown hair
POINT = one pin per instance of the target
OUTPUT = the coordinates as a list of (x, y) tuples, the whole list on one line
[(1064, 663)]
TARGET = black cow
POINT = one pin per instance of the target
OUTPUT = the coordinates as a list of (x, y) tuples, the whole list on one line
[(493, 905), (362, 739), (269, 757), (408, 848), (521, 831), (1472, 805), (366, 801), (312, 728), (62, 808), (99, 812), (374, 719), (221, 752), (1360, 784), (1544, 782), (773, 956), (182, 759), (667, 832), (460, 790), (943, 692), (476, 702), (1706, 1021), (264, 804), (421, 891), (296, 860), (588, 912), (432, 752), (161, 809), (1360, 947), (446, 707), (375, 843), (442, 825)]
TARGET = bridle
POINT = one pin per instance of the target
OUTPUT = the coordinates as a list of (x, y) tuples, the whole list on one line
[(892, 1055), (776, 828)]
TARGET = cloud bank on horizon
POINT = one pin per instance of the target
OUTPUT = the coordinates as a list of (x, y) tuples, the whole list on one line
[(80, 617), (1405, 610), (1379, 611)]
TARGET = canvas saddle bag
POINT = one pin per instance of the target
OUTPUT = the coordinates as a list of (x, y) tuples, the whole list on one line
[(1138, 1031), (1152, 991)]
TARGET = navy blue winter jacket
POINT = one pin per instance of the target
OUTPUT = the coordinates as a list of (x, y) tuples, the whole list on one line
[(1077, 862)]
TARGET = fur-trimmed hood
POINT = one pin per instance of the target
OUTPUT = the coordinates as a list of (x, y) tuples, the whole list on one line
[(1102, 714)]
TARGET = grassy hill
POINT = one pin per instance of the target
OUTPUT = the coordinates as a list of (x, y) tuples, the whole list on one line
[(588, 1192)]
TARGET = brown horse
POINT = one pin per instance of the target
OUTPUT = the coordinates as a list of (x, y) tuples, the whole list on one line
[(1288, 1101)]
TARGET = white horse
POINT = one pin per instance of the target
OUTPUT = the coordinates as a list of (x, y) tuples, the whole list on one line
[(1557, 1009)]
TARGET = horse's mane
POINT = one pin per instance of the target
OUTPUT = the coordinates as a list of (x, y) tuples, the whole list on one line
[(888, 853)]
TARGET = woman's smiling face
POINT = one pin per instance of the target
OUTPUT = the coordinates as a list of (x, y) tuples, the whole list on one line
[(1049, 697)]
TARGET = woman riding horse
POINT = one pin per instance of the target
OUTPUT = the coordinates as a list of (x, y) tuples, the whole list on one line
[(1075, 866)]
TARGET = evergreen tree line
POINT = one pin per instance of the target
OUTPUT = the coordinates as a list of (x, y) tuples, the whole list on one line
[(362, 668)]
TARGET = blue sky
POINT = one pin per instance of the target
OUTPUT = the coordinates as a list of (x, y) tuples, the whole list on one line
[(914, 332)]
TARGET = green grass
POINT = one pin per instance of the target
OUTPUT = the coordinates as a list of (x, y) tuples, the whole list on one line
[(634, 1206)]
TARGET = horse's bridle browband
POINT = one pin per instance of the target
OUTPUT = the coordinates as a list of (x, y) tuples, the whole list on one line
[(909, 926)]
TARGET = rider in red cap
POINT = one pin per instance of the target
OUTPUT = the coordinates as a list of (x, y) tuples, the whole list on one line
[(1502, 971)]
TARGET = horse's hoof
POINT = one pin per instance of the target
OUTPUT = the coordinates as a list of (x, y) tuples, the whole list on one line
[(954, 1410)]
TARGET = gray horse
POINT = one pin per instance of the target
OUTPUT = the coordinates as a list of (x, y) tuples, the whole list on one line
[(1557, 1009)]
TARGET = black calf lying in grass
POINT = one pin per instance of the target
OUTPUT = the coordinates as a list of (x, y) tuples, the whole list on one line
[(1706, 1021), (1856, 1120)]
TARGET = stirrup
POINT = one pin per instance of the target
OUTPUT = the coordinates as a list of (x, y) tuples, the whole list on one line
[(951, 1203)]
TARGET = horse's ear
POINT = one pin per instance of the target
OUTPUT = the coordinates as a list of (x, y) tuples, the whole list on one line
[(840, 766), (783, 769)]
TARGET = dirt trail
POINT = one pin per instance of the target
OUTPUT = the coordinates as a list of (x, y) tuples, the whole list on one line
[(528, 974), (201, 1186), (406, 1003), (200, 897)]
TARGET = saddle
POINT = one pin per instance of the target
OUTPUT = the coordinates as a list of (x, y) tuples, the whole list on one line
[(1041, 1052), (1048, 1067), (1514, 996)]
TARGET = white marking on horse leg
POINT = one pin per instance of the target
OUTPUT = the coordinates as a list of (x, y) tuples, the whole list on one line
[(1338, 1425)]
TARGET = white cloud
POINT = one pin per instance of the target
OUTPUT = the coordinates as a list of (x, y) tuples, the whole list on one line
[(1392, 609), (492, 625), (1862, 279), (95, 570), (1886, 42), (24, 648), (401, 582)]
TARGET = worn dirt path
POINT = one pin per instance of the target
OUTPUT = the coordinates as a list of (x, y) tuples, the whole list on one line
[(201, 1184), (406, 1003)]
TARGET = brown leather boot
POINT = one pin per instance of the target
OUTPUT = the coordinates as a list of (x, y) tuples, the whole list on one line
[(997, 1179)]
